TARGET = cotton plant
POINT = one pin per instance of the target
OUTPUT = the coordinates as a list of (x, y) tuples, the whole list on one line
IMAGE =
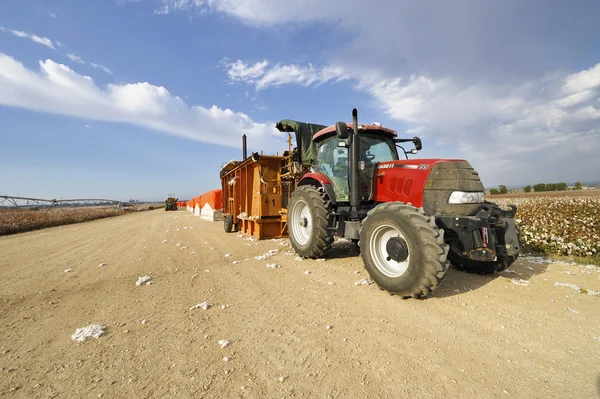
[(567, 226)]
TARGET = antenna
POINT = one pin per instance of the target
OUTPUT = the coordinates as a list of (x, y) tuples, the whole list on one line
[(363, 114)]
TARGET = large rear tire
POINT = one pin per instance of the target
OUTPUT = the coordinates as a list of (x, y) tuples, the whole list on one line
[(307, 222), (403, 250)]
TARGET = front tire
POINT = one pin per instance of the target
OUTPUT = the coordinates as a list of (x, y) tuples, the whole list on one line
[(307, 222), (403, 250)]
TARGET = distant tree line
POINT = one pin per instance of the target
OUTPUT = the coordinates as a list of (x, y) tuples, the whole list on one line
[(538, 188), (541, 187), (500, 190)]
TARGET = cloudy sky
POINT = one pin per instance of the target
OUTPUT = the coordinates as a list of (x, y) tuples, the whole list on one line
[(139, 98)]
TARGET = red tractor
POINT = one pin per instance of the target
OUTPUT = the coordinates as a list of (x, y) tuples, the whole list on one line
[(411, 218)]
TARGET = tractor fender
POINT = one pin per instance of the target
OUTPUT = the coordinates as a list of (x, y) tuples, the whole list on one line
[(319, 180)]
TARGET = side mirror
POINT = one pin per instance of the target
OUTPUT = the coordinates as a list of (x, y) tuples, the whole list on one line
[(342, 130), (418, 144)]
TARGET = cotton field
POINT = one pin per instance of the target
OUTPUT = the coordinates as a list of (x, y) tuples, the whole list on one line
[(558, 225)]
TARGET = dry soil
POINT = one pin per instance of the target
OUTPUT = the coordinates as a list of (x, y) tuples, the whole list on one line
[(303, 329)]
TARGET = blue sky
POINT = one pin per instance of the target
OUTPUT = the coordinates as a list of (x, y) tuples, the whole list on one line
[(135, 99)]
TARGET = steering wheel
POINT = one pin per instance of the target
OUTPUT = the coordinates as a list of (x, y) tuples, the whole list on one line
[(370, 156)]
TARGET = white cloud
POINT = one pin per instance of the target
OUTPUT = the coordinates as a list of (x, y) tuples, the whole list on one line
[(75, 58), (548, 126), (239, 71), (526, 117), (255, 11), (294, 74), (57, 89), (263, 77), (41, 40), (52, 15), (169, 6), (102, 68)]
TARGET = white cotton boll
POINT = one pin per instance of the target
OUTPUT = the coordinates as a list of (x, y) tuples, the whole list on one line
[(268, 255), (204, 305), (224, 343), (143, 280), (91, 331)]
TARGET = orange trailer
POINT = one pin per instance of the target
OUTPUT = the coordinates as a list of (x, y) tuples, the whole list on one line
[(256, 190), (253, 195)]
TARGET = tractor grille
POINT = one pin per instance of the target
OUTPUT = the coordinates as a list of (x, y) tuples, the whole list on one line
[(445, 178)]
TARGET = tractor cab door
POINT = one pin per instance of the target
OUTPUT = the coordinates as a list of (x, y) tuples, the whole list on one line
[(332, 161), (373, 149)]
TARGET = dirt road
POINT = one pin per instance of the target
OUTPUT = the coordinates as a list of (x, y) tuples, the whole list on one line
[(303, 329)]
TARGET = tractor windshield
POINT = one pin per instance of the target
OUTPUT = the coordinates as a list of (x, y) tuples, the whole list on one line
[(377, 148)]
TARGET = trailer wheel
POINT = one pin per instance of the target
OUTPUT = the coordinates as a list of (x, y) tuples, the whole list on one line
[(403, 250), (228, 223), (307, 223)]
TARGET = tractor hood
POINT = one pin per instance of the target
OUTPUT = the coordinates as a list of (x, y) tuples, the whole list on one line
[(427, 183)]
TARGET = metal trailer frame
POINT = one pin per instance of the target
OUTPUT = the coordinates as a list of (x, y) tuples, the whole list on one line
[(253, 194)]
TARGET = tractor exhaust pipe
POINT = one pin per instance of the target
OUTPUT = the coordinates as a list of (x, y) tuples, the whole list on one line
[(244, 148), (354, 160)]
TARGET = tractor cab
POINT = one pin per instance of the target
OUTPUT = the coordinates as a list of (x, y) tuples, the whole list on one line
[(376, 144)]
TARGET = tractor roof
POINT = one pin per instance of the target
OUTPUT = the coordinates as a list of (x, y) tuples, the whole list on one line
[(307, 133), (373, 129)]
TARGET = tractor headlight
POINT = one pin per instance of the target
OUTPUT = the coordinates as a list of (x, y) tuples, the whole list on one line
[(461, 197)]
